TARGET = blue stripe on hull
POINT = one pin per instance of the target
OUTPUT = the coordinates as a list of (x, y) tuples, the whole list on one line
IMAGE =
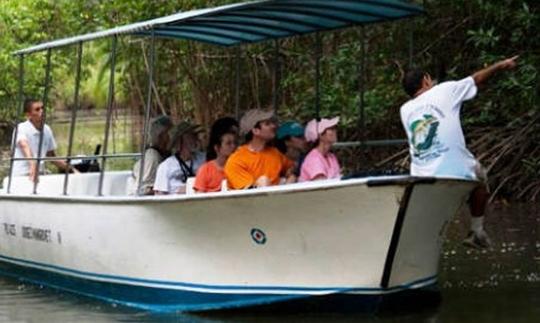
[(147, 298), (174, 300)]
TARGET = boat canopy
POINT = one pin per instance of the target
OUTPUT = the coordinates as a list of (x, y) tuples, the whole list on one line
[(254, 21)]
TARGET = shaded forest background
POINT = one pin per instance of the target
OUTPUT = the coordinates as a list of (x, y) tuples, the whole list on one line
[(196, 81)]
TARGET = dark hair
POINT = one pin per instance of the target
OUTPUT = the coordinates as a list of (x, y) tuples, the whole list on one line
[(217, 141), (220, 127), (412, 81), (28, 103), (249, 135), (281, 145)]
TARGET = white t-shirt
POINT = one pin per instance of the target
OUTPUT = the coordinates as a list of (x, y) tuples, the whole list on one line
[(433, 126), (26, 130), (170, 175)]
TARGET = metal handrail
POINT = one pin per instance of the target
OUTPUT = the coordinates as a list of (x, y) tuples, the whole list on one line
[(107, 156), (371, 143)]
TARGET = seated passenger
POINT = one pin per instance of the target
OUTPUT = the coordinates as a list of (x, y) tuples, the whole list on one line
[(173, 172), (155, 153), (219, 127), (211, 174), (320, 162), (291, 142), (256, 164)]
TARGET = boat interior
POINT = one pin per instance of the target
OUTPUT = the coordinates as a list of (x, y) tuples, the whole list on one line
[(115, 183)]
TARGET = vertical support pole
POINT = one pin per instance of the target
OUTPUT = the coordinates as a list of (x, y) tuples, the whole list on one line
[(110, 102), (16, 123), (276, 78), (362, 85), (411, 43), (318, 54), (536, 96), (44, 119), (237, 86), (75, 109), (151, 66)]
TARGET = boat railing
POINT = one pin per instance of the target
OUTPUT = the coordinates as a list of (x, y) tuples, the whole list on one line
[(242, 26), (371, 143), (85, 157)]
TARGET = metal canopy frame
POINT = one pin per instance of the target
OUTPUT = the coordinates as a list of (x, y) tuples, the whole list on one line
[(255, 21), (229, 25)]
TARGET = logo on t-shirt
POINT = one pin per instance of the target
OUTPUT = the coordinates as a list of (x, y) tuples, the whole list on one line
[(425, 142)]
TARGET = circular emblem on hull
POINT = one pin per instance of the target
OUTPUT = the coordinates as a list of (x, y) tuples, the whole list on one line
[(258, 236)]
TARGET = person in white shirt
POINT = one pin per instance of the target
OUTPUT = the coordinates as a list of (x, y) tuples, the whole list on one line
[(173, 173), (156, 151), (437, 146), (27, 142)]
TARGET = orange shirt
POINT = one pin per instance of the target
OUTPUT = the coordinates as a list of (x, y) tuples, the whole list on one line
[(244, 166), (209, 178)]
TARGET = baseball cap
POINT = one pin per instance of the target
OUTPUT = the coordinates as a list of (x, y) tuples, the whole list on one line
[(315, 128), (251, 117), (290, 128)]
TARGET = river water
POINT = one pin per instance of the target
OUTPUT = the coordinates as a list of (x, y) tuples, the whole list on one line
[(497, 285)]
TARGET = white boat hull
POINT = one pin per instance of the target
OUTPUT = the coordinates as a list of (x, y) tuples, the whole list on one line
[(352, 237)]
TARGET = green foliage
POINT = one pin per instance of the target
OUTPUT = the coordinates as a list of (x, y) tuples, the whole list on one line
[(197, 81)]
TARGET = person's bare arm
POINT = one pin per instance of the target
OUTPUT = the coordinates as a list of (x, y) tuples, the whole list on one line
[(27, 152), (290, 177), (483, 75), (62, 165)]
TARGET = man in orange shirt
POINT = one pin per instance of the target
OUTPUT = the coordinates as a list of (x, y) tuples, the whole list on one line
[(256, 164)]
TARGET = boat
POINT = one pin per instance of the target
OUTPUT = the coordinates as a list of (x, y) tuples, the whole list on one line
[(356, 240)]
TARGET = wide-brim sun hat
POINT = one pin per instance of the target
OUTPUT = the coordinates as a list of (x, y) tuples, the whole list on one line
[(252, 117), (182, 128), (316, 128)]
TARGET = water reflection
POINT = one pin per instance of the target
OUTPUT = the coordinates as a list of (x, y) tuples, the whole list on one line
[(498, 285)]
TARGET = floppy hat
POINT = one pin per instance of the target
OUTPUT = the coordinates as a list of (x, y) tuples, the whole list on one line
[(290, 128), (251, 117), (182, 128), (315, 128)]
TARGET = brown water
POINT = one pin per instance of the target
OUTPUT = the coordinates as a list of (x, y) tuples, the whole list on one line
[(497, 285)]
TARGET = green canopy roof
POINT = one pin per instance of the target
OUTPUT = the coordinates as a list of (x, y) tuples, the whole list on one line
[(257, 21)]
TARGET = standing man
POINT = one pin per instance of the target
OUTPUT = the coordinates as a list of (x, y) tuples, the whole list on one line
[(436, 141), (27, 142), (257, 163)]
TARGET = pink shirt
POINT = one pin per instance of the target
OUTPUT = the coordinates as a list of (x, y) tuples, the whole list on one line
[(316, 164)]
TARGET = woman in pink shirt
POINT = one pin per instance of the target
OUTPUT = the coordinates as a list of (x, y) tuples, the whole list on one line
[(320, 162)]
